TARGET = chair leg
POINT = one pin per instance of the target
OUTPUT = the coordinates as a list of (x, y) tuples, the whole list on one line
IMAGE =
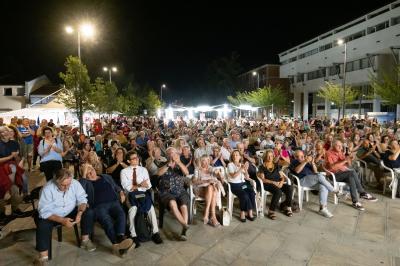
[(78, 239), (300, 198), (161, 211), (50, 246), (59, 233), (307, 196), (394, 188)]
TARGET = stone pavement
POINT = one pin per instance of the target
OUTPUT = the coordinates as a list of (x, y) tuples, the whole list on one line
[(351, 237)]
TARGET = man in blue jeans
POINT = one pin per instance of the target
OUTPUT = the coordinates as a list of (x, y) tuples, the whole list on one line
[(306, 170), (62, 201), (104, 198)]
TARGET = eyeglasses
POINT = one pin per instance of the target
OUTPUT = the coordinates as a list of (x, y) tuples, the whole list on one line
[(135, 157)]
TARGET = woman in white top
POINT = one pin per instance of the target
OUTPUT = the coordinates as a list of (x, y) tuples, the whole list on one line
[(238, 176), (207, 186)]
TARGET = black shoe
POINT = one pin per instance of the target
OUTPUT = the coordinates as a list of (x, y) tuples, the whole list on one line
[(242, 220), (251, 218), (4, 219), (157, 238), (19, 214), (136, 241)]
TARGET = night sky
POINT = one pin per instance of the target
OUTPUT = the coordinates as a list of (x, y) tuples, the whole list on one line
[(155, 42)]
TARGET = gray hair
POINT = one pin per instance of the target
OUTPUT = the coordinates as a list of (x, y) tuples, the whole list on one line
[(61, 175)]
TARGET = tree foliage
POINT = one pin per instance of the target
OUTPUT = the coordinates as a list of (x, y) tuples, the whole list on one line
[(262, 97), (222, 74), (75, 96), (152, 102), (334, 93), (387, 87), (104, 97)]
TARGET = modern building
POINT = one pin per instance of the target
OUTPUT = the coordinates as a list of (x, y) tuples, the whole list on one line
[(35, 92), (372, 48)]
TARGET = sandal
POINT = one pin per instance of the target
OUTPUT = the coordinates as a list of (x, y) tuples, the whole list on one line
[(271, 215), (289, 212)]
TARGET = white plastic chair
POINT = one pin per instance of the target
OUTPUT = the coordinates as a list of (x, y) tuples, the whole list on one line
[(393, 184), (260, 156), (232, 197), (300, 191), (367, 173), (336, 185), (194, 198)]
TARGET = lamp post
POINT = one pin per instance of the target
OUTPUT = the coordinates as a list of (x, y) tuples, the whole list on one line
[(110, 69), (340, 42), (163, 86), (86, 29), (258, 78)]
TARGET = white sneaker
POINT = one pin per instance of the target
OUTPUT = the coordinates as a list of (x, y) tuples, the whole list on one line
[(326, 213)]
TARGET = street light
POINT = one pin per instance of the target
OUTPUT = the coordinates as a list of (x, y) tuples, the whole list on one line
[(110, 69), (258, 78), (86, 29), (341, 42), (163, 86)]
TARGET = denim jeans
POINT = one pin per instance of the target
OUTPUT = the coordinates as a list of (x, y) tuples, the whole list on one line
[(112, 218), (323, 186), (351, 177)]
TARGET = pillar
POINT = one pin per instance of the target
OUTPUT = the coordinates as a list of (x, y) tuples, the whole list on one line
[(297, 104), (305, 106)]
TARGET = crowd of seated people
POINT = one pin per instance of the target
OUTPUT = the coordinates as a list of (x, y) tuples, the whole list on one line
[(135, 158)]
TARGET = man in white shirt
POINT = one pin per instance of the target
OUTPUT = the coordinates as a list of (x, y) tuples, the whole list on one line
[(226, 150), (135, 181), (62, 201)]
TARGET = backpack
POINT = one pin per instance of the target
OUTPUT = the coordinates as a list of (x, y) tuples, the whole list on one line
[(143, 227)]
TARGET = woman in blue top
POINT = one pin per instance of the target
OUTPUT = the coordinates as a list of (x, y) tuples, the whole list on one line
[(50, 150)]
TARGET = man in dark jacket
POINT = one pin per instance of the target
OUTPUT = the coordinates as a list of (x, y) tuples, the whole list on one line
[(103, 198)]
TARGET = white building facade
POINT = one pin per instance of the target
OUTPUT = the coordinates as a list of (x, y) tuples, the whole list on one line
[(373, 45)]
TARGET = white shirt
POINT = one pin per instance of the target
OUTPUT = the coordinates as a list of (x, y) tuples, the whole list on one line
[(141, 175), (55, 202), (226, 154), (200, 152), (232, 168)]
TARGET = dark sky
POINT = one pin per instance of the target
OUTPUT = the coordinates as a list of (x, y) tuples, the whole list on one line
[(154, 42)]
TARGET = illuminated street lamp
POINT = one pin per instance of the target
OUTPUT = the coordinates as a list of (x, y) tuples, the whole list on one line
[(163, 86), (341, 42), (258, 78), (110, 69), (86, 30)]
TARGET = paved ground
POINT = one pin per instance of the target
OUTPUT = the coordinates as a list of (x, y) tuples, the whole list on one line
[(349, 238)]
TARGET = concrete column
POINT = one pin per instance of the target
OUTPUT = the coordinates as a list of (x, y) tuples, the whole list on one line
[(327, 108), (305, 106), (297, 104), (376, 104)]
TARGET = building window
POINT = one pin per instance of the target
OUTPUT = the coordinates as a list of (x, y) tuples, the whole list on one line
[(292, 59), (355, 36), (300, 77), (7, 91), (334, 70), (325, 47), (378, 27), (395, 20)]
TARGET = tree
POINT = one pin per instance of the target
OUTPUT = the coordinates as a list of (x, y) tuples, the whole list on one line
[(128, 102), (239, 99), (104, 97), (388, 88), (334, 93), (152, 102), (75, 96), (222, 74)]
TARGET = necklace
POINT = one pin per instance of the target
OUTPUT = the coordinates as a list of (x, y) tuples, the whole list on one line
[(270, 169)]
